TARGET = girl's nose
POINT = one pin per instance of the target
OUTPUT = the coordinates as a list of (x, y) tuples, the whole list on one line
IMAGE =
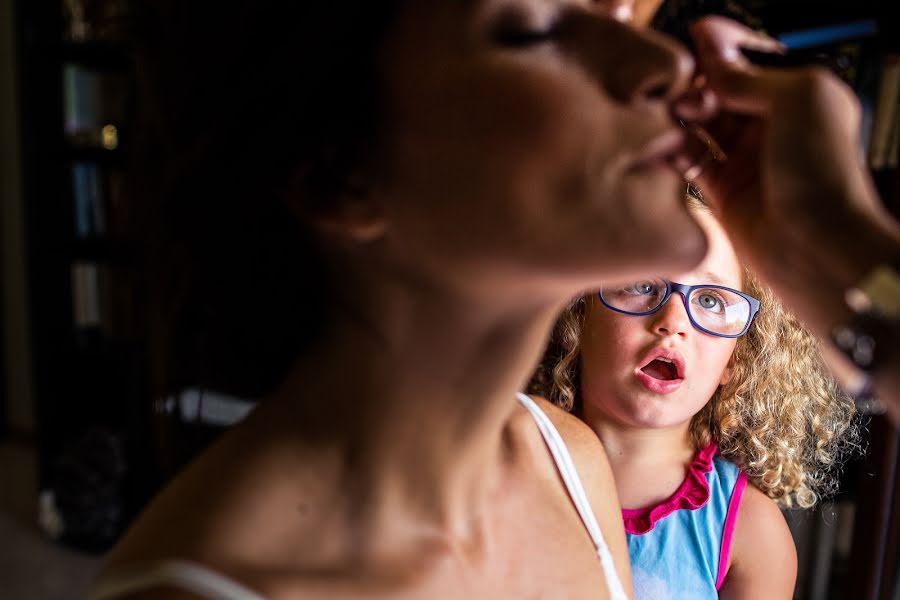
[(631, 64), (672, 318)]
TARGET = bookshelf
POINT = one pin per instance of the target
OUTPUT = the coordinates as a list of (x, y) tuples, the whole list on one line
[(96, 457)]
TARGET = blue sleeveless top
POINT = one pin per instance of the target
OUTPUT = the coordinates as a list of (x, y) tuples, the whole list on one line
[(679, 548)]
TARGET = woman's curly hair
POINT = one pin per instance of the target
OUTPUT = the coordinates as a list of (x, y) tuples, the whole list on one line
[(781, 418)]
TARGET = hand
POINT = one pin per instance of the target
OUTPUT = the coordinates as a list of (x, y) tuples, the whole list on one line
[(644, 10), (794, 193)]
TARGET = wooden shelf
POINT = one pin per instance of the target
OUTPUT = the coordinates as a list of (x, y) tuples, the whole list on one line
[(94, 154), (105, 55), (104, 250)]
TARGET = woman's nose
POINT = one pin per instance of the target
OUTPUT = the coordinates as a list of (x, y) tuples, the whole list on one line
[(631, 64), (672, 318)]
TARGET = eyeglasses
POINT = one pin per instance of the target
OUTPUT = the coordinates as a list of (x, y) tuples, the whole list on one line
[(713, 309)]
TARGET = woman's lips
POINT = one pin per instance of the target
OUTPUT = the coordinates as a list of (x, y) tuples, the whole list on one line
[(660, 151)]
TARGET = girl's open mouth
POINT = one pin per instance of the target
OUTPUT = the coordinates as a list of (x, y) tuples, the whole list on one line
[(661, 371), (661, 368)]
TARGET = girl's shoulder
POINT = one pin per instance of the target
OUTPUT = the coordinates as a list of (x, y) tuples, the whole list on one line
[(760, 517), (763, 558)]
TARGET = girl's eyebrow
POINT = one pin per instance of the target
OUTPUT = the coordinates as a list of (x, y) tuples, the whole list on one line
[(713, 278)]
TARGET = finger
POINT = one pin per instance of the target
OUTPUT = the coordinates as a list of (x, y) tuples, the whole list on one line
[(700, 104), (725, 38), (737, 176), (758, 40), (807, 94), (739, 85), (721, 37)]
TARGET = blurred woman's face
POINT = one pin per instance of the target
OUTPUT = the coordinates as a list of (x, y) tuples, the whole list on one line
[(534, 137)]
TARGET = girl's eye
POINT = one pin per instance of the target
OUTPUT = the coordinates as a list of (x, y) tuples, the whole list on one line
[(642, 288), (709, 302)]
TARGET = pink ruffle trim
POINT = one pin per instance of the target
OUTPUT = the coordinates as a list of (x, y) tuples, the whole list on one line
[(691, 495)]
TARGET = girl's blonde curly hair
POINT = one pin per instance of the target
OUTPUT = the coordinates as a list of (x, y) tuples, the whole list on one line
[(780, 418)]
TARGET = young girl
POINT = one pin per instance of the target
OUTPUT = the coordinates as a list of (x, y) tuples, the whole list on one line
[(695, 389)]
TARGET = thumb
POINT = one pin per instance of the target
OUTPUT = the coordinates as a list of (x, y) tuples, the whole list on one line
[(740, 86)]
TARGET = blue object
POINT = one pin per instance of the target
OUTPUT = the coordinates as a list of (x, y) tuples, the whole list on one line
[(87, 190), (811, 38)]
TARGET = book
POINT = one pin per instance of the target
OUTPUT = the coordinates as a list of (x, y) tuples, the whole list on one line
[(885, 113), (93, 20), (94, 104), (894, 143), (81, 97), (88, 193), (86, 295)]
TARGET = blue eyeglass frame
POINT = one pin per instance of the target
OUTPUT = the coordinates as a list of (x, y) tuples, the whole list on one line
[(685, 291)]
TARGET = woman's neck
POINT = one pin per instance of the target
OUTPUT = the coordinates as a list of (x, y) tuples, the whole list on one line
[(415, 396)]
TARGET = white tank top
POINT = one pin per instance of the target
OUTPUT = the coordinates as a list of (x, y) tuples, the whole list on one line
[(207, 583)]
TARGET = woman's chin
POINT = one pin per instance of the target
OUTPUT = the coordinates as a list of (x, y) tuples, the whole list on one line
[(686, 249), (679, 246), (675, 254)]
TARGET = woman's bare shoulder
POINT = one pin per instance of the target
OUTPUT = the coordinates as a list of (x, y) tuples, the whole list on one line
[(596, 476), (582, 442), (244, 501)]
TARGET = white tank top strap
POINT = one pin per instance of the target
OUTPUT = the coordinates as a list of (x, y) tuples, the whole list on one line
[(179, 574), (207, 583), (569, 473)]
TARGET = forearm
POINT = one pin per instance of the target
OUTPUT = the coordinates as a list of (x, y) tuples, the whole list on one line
[(812, 268), (814, 277)]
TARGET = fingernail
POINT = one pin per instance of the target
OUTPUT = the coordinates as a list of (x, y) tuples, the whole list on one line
[(772, 42)]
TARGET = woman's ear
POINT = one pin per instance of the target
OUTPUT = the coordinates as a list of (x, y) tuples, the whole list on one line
[(356, 214), (726, 374), (359, 220)]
